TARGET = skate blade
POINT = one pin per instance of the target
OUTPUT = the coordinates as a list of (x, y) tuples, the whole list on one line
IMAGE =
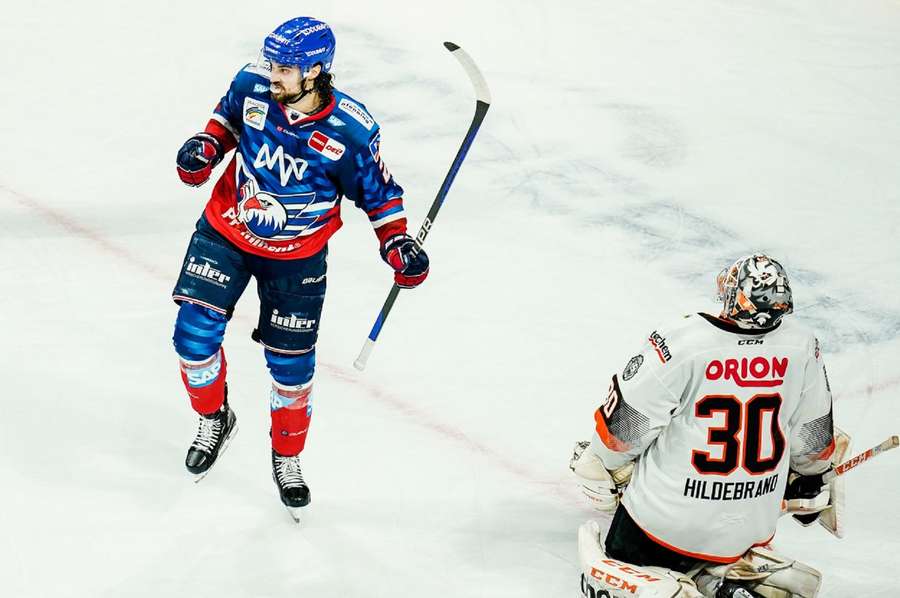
[(294, 512), (225, 443)]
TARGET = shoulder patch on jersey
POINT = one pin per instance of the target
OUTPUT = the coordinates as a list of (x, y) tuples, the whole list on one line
[(255, 112), (634, 364), (357, 113), (325, 145)]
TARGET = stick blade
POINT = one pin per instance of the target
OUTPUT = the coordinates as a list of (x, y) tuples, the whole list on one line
[(482, 92)]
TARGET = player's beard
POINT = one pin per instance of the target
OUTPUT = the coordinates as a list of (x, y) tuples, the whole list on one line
[(282, 96)]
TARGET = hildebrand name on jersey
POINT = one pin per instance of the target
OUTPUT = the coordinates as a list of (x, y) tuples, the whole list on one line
[(714, 416)]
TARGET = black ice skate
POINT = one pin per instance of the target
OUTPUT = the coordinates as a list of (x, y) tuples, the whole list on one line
[(289, 479), (213, 435)]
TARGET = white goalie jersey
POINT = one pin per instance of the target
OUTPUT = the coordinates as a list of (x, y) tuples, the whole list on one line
[(715, 416)]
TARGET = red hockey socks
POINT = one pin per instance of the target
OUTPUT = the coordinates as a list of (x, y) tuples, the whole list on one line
[(205, 382), (291, 412)]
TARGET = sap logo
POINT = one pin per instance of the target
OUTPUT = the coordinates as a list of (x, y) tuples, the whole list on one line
[(357, 113), (313, 279), (287, 165), (255, 113), (292, 322), (749, 373), (260, 88), (325, 145), (206, 271), (750, 341), (659, 343), (335, 121), (204, 377)]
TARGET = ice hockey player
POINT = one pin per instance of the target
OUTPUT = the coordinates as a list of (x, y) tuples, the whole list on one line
[(300, 147), (713, 430)]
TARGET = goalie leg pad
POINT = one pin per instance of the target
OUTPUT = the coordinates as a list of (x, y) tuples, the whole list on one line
[(604, 577), (832, 519), (767, 573)]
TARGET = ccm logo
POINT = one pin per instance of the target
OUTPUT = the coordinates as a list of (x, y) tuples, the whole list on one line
[(756, 372), (325, 145)]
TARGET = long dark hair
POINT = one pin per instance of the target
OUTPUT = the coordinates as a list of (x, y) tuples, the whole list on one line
[(323, 85)]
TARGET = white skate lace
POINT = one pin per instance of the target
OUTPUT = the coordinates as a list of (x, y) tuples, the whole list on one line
[(287, 470), (208, 433)]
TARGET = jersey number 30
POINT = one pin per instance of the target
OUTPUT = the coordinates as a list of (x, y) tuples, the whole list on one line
[(741, 438)]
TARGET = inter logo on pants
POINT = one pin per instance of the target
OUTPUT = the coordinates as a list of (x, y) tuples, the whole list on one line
[(291, 323), (206, 272)]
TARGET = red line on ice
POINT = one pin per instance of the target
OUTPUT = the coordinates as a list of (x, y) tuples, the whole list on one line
[(408, 410), (396, 404)]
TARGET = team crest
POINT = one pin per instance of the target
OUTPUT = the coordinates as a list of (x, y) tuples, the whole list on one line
[(274, 217), (255, 113), (634, 364)]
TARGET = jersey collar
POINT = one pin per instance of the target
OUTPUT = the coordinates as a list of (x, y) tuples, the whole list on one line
[(729, 326), (324, 112)]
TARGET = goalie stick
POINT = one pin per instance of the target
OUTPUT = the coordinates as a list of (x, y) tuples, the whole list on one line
[(891, 443), (482, 103)]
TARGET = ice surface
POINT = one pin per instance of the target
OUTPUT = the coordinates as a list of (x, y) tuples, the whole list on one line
[(632, 150)]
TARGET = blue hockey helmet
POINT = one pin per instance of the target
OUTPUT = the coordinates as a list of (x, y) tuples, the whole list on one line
[(302, 42)]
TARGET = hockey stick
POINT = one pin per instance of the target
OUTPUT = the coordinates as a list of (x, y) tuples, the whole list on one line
[(482, 103), (891, 443)]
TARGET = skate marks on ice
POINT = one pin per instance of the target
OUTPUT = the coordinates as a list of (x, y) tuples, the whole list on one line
[(680, 242)]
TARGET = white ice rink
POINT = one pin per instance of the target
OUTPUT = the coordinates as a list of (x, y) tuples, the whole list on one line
[(633, 149)]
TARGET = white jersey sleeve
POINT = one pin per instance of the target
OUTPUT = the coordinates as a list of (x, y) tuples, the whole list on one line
[(812, 440), (639, 404)]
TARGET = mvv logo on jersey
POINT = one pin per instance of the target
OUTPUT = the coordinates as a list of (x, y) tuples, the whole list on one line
[(291, 323), (255, 113), (749, 373), (287, 165), (325, 145), (206, 272)]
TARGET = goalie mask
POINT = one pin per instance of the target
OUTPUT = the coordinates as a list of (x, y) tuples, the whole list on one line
[(755, 292)]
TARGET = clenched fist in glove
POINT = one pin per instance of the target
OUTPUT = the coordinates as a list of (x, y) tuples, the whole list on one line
[(409, 261), (197, 157), (602, 487)]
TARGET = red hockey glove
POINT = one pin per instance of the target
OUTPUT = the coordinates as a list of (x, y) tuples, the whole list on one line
[(409, 261), (197, 157)]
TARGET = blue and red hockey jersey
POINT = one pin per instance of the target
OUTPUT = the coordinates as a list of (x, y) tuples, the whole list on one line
[(280, 195)]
